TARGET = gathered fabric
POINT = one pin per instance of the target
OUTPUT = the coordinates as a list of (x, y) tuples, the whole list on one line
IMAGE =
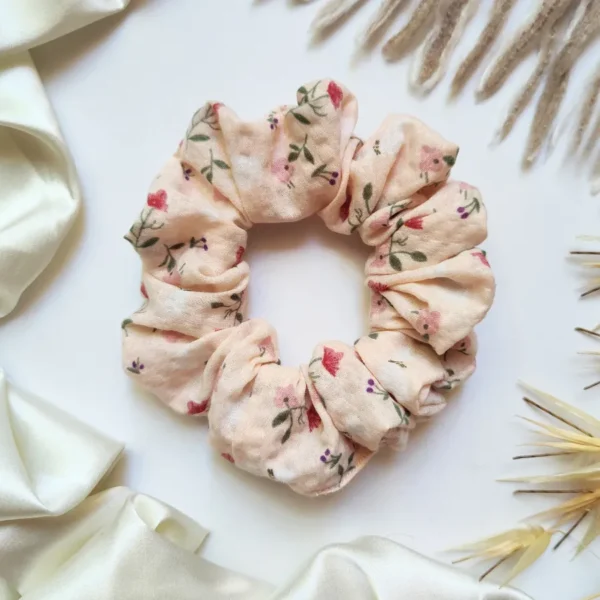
[(59, 543), (311, 427)]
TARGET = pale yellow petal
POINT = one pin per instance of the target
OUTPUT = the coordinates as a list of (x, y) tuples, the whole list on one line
[(593, 530), (533, 552)]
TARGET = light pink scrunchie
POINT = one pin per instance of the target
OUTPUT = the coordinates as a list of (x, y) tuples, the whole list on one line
[(312, 427)]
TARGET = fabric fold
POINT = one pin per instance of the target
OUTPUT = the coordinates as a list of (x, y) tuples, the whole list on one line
[(312, 427)]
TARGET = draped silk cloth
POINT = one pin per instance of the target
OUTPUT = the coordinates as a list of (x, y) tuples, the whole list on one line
[(40, 193), (58, 543)]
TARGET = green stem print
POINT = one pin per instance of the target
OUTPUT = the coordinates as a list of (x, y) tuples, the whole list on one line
[(398, 362), (170, 261), (207, 171), (395, 254), (287, 416), (231, 309), (448, 383), (335, 460), (206, 115), (315, 103), (143, 225), (361, 215), (297, 151), (322, 172), (374, 388), (467, 209)]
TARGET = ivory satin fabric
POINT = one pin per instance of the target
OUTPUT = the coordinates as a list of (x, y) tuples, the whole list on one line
[(57, 542), (40, 193)]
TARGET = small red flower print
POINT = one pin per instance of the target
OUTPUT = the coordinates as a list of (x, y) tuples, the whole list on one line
[(432, 159), (216, 106), (414, 223), (143, 290), (378, 287), (158, 200), (313, 418), (267, 347), (197, 408), (335, 93), (285, 397), (482, 257), (428, 323), (228, 457), (239, 255), (331, 360), (345, 208)]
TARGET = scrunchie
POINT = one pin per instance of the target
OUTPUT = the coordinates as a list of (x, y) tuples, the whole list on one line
[(314, 427)]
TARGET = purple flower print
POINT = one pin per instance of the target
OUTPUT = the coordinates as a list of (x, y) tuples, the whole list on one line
[(136, 366)]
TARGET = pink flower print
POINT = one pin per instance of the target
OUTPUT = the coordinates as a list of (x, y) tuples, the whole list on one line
[(267, 347), (462, 346), (197, 408), (285, 397), (381, 256), (463, 186), (428, 323), (481, 255), (174, 278), (282, 169), (172, 336), (228, 457), (216, 106), (432, 159), (158, 200), (377, 303), (378, 287), (143, 290), (382, 220), (335, 94), (331, 360)]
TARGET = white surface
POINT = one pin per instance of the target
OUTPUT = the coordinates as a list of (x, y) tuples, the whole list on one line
[(123, 90)]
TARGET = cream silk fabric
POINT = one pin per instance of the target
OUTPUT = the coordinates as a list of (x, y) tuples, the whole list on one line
[(312, 427), (58, 543), (40, 193)]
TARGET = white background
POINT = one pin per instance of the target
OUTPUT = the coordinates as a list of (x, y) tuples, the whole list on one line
[(123, 90)]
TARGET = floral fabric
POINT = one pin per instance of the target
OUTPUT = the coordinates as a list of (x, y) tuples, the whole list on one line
[(314, 427)]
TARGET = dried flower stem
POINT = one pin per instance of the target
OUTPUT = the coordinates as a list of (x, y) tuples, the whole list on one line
[(571, 530), (557, 417)]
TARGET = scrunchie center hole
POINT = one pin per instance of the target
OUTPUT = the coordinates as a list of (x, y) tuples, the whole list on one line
[(308, 283)]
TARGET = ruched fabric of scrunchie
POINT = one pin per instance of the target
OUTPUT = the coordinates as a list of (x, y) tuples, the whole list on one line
[(314, 427)]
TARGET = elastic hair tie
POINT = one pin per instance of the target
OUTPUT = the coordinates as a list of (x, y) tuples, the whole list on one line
[(314, 427)]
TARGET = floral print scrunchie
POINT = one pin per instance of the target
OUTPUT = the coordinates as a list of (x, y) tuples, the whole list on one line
[(313, 427)]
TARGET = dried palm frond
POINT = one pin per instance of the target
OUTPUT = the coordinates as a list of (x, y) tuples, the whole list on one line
[(331, 14), (432, 57), (399, 43), (498, 16), (528, 543), (387, 9), (586, 109), (549, 12), (528, 90), (582, 441), (584, 27)]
